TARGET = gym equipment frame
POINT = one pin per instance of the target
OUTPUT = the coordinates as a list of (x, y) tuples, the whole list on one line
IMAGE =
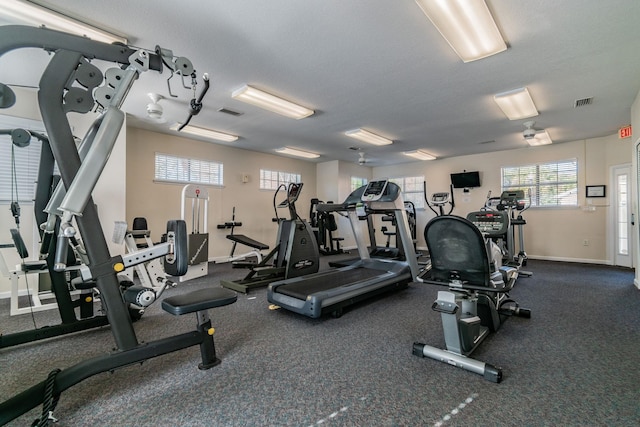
[(68, 64)]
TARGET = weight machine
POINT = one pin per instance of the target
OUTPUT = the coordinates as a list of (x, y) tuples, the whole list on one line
[(323, 225), (198, 242), (67, 85), (153, 279)]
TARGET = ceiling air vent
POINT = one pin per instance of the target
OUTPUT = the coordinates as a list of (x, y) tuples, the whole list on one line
[(231, 112), (582, 102)]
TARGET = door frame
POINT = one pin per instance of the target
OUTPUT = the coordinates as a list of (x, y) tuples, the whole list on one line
[(612, 221)]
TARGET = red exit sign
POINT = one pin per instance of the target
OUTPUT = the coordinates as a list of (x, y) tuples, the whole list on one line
[(624, 132)]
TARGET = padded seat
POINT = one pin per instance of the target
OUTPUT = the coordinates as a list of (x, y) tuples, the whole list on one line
[(247, 241), (199, 300)]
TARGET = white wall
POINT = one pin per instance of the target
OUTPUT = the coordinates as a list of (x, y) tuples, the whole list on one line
[(555, 234), (159, 202), (635, 140)]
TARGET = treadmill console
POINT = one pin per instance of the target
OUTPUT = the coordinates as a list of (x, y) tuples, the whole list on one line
[(374, 191), (490, 223)]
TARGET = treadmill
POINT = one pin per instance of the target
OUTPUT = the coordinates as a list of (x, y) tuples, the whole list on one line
[(330, 291)]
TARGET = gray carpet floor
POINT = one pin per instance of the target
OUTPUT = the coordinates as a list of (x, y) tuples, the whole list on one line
[(574, 363)]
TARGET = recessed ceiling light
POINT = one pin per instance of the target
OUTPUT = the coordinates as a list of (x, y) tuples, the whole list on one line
[(467, 25), (32, 14), (420, 155), (271, 102), (516, 104), (368, 137), (297, 153), (207, 133)]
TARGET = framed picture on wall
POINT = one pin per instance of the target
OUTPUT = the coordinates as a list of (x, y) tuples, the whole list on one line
[(596, 191)]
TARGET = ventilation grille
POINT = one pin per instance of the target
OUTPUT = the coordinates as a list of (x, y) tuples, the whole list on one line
[(231, 112), (582, 102)]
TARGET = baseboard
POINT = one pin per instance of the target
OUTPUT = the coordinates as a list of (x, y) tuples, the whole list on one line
[(564, 259), (7, 294), (540, 257)]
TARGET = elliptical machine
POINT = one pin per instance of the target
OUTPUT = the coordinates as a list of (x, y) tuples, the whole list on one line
[(439, 200), (497, 221), (295, 253), (512, 202)]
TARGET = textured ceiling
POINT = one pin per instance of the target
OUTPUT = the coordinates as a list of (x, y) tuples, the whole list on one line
[(377, 64)]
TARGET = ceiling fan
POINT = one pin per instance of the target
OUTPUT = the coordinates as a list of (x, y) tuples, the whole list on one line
[(155, 110), (534, 136), (362, 159), (529, 132)]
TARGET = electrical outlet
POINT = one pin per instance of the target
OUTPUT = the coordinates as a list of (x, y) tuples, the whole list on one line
[(585, 242)]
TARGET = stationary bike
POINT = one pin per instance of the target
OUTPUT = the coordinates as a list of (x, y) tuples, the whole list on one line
[(476, 301)]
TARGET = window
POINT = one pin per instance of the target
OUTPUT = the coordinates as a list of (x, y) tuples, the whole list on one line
[(551, 184), (18, 183), (178, 169), (270, 180), (412, 189), (357, 182)]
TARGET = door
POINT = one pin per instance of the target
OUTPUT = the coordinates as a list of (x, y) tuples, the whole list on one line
[(622, 219)]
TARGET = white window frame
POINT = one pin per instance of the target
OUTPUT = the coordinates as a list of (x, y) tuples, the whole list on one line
[(27, 161), (412, 189), (187, 170), (546, 192), (357, 182), (21, 186), (271, 180)]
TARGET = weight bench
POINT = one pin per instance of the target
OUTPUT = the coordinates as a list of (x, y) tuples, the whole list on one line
[(199, 302), (247, 241)]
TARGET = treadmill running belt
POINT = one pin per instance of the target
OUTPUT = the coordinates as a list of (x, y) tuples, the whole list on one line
[(325, 282)]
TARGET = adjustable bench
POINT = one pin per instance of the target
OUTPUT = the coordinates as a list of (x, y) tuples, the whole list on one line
[(199, 302)]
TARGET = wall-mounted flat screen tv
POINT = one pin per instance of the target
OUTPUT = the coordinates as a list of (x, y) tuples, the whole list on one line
[(465, 179)]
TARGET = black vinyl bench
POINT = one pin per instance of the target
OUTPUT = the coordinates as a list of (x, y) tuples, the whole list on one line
[(247, 241), (199, 300)]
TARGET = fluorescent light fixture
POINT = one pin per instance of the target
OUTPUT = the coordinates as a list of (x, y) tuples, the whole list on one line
[(270, 102), (419, 154), (369, 137), (32, 14), (297, 153), (206, 133), (540, 138), (516, 104), (467, 25)]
